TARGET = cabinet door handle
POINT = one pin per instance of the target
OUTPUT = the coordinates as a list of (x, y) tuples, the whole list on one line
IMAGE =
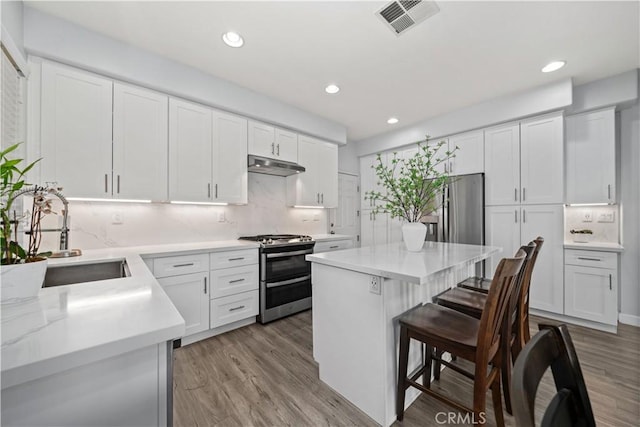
[(609, 191), (118, 180), (445, 168), (106, 183), (205, 285), (216, 191), (515, 194), (610, 283), (208, 190), (240, 307), (450, 167), (236, 259), (278, 152), (524, 194), (236, 281), (322, 198), (524, 216), (334, 247), (589, 259), (515, 213), (273, 148), (188, 264)]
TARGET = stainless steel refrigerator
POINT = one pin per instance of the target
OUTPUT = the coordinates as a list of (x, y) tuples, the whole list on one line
[(462, 212)]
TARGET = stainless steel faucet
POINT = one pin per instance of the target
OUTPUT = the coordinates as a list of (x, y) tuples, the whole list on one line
[(64, 230)]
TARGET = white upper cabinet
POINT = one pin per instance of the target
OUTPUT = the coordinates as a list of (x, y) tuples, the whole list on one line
[(190, 145), (318, 185), (469, 158), (502, 165), (229, 158), (140, 139), (368, 179), (524, 163), (208, 154), (542, 160), (268, 141), (591, 157), (441, 165), (286, 145), (76, 131)]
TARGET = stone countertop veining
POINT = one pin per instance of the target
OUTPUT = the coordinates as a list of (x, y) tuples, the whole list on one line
[(68, 326), (330, 237), (395, 262), (595, 246)]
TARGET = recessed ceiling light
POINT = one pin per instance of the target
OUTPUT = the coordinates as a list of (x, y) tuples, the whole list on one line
[(232, 39), (332, 89), (392, 120), (553, 66)]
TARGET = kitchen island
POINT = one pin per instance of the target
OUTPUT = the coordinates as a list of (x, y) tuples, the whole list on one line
[(358, 295)]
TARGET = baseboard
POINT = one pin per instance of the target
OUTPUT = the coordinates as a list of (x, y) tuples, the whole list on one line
[(217, 331), (629, 319), (575, 321)]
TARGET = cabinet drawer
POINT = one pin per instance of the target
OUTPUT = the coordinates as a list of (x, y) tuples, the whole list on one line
[(183, 264), (591, 259), (233, 258), (334, 245), (233, 308), (231, 281)]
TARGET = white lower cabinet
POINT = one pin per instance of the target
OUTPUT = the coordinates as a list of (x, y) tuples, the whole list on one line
[(189, 294), (233, 308), (591, 286)]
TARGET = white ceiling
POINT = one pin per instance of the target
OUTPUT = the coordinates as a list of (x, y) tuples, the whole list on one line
[(467, 53)]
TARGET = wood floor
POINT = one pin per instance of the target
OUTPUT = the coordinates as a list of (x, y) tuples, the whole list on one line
[(264, 375)]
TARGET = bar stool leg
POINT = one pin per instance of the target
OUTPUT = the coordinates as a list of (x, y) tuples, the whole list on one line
[(403, 361), (426, 376), (437, 366)]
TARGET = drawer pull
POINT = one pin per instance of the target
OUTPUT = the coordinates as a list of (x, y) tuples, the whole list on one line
[(236, 281), (610, 283), (236, 259), (240, 307), (589, 259), (205, 285), (189, 264), (334, 247)]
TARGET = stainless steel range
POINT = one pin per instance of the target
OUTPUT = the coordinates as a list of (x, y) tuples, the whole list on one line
[(285, 275)]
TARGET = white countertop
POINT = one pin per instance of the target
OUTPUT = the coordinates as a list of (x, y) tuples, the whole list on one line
[(330, 237), (595, 246), (68, 326), (395, 262)]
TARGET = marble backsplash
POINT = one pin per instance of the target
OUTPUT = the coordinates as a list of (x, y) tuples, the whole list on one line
[(94, 224), (604, 221)]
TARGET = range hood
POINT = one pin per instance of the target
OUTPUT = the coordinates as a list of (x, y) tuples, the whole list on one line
[(269, 166)]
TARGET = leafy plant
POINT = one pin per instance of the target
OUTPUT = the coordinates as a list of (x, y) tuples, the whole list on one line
[(12, 181), (412, 186)]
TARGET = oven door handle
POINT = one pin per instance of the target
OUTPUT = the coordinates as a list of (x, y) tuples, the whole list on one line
[(288, 282), (292, 253)]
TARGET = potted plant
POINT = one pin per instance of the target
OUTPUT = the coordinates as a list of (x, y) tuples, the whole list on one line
[(22, 270), (412, 188)]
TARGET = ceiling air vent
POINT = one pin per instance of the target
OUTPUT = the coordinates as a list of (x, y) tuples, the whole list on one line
[(401, 15)]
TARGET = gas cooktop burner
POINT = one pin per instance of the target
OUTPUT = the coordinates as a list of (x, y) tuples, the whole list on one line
[(278, 239)]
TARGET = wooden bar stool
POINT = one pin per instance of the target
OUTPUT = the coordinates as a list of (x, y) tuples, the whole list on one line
[(472, 303), (464, 336)]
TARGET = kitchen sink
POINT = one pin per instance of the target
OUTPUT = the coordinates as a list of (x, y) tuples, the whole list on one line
[(71, 274)]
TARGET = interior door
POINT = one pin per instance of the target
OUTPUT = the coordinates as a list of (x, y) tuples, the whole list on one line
[(344, 218)]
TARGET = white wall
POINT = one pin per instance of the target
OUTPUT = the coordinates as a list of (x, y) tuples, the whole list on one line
[(92, 222), (620, 89), (554, 96), (54, 38), (12, 22), (348, 159), (630, 200)]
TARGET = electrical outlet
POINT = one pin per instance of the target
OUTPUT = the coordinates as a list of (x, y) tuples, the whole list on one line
[(587, 217), (606, 217), (374, 287), (116, 218)]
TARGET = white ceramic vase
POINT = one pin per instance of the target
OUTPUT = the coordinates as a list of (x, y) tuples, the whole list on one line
[(20, 281), (413, 234)]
